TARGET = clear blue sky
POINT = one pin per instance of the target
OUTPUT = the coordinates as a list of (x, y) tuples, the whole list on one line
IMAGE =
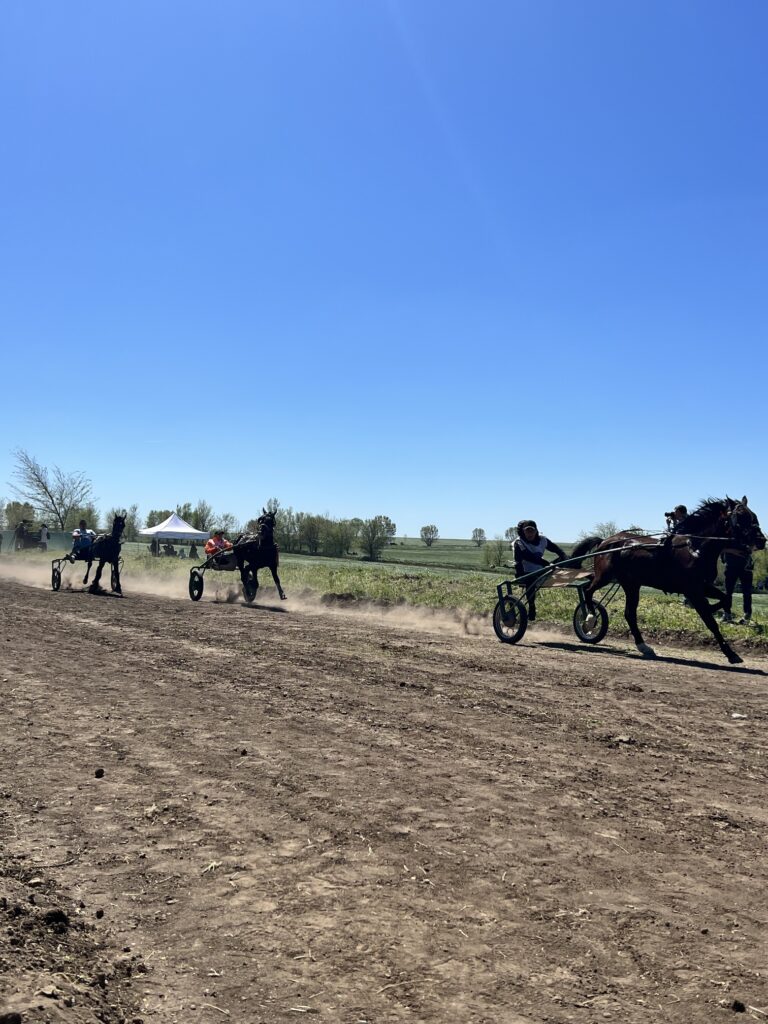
[(452, 262)]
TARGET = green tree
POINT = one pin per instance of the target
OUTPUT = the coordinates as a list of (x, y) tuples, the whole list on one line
[(478, 536), (88, 512), (338, 537), (227, 522), (203, 517), (429, 534), (18, 512), (158, 515), (374, 536), (132, 521), (53, 493), (310, 533), (286, 530), (495, 552)]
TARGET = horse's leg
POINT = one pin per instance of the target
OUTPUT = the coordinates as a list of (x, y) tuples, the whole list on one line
[(243, 567), (116, 570), (710, 590), (701, 605), (276, 578), (96, 584), (87, 571), (631, 601)]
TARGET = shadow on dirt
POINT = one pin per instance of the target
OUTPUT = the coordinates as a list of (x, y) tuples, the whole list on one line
[(663, 658), (278, 609)]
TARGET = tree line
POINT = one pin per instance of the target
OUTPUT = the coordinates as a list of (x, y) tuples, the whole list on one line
[(60, 499)]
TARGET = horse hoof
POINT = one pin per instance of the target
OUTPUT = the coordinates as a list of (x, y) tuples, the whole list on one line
[(283, 597), (734, 659), (646, 651)]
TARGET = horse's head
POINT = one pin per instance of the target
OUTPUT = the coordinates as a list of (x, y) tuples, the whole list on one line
[(745, 526), (118, 525), (266, 523)]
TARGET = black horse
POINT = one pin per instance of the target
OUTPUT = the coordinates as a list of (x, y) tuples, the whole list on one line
[(255, 551), (106, 548), (683, 563)]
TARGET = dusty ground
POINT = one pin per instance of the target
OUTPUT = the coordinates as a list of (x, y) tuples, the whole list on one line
[(349, 818)]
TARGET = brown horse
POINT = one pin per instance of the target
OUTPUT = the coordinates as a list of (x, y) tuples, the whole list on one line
[(258, 551), (683, 563)]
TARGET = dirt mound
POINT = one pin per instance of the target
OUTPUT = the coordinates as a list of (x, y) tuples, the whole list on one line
[(55, 964)]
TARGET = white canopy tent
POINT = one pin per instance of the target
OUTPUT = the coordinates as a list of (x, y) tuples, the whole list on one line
[(174, 528)]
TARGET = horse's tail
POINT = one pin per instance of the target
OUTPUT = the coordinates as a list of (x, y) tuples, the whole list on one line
[(581, 549)]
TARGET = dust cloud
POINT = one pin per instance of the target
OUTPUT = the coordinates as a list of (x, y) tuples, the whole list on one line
[(451, 622)]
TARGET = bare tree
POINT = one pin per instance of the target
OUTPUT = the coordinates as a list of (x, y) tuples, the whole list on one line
[(52, 492), (478, 536), (607, 529)]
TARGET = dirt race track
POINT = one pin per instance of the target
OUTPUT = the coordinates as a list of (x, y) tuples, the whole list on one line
[(286, 812)]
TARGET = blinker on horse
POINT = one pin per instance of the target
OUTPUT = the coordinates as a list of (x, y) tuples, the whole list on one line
[(685, 563)]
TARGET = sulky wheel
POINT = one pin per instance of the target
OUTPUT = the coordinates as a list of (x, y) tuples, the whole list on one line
[(250, 587), (55, 578), (510, 620), (590, 628), (115, 581), (196, 585)]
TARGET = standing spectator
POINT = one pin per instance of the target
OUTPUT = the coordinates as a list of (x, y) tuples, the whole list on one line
[(45, 536), (18, 536), (738, 569), (193, 550)]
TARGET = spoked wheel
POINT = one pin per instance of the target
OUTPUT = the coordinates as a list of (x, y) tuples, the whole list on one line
[(510, 620), (590, 628), (250, 587), (114, 581), (196, 585), (55, 578)]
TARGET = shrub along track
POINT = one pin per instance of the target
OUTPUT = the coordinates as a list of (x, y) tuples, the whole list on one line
[(284, 813)]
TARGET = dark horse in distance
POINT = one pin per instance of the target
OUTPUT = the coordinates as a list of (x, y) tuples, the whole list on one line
[(106, 548), (682, 563), (255, 551)]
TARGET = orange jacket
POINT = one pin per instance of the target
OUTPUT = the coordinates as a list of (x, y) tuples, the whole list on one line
[(216, 544)]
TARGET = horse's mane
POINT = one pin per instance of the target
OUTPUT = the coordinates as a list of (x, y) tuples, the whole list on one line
[(709, 509)]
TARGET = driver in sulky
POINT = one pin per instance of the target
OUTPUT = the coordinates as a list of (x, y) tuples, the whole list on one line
[(529, 548), (218, 545)]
